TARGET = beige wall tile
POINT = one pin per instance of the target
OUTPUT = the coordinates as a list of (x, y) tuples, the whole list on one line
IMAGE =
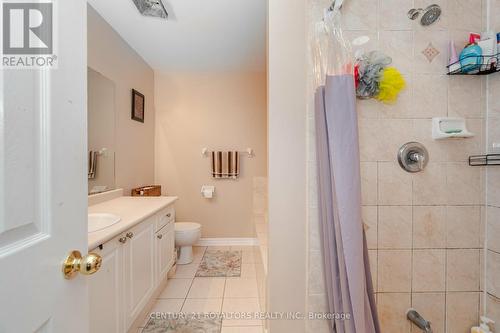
[(465, 97), (461, 149), (370, 218), (430, 95), (373, 256), (369, 183), (462, 311), (380, 139), (399, 45), (429, 227), (432, 307), (463, 184), (466, 15), (493, 273), (392, 312), (393, 15), (493, 308), (428, 270), (440, 40), (429, 186), (359, 15), (463, 226), (394, 227), (394, 270), (394, 185), (493, 229), (462, 270), (494, 101), (493, 191)]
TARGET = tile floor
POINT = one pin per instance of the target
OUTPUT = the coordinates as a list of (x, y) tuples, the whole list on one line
[(187, 293)]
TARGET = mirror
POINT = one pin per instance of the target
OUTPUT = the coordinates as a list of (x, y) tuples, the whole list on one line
[(101, 132)]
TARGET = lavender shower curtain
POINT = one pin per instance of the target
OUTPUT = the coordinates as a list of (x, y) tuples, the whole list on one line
[(347, 271)]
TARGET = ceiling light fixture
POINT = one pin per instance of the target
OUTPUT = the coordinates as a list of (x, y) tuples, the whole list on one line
[(153, 8)]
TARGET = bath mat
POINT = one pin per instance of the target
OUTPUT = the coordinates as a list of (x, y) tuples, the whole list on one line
[(216, 263), (184, 324)]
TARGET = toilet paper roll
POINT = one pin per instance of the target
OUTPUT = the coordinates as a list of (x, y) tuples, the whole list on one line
[(208, 194)]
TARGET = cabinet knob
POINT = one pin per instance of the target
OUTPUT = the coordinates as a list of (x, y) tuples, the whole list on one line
[(168, 215), (160, 236), (122, 240), (129, 234)]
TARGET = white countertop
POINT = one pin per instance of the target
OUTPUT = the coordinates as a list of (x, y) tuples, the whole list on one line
[(132, 210)]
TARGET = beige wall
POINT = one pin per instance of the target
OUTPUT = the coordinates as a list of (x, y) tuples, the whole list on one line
[(111, 56), (492, 295), (287, 79), (219, 111), (425, 230)]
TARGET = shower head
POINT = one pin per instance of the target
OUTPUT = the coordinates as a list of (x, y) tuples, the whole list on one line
[(153, 8), (430, 14)]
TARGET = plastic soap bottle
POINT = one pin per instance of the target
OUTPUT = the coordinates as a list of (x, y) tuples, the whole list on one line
[(485, 327)]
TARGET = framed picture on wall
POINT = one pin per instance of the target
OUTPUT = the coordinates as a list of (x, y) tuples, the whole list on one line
[(137, 106)]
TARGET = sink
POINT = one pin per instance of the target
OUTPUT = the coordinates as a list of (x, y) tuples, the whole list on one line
[(102, 221)]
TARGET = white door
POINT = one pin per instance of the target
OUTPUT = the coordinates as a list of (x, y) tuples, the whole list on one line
[(43, 182)]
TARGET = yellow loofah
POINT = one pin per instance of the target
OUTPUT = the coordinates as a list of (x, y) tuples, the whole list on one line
[(391, 85)]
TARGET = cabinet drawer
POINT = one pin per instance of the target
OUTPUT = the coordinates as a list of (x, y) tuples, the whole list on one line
[(166, 216)]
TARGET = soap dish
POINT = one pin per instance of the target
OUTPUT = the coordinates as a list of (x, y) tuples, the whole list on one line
[(444, 128)]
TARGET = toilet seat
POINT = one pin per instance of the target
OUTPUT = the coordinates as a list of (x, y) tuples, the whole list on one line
[(183, 227)]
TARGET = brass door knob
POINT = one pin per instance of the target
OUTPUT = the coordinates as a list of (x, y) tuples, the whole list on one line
[(85, 265)]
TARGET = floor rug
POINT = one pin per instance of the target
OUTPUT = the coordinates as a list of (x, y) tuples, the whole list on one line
[(184, 324), (216, 263)]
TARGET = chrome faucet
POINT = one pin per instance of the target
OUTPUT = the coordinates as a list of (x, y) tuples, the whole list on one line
[(418, 320)]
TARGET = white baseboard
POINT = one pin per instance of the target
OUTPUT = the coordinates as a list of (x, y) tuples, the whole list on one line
[(227, 242)]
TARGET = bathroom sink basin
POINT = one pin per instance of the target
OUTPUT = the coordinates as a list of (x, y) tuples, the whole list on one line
[(102, 221)]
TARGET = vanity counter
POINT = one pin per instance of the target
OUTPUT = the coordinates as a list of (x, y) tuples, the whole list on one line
[(131, 210)]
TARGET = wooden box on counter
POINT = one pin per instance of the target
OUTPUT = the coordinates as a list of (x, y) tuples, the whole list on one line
[(147, 191)]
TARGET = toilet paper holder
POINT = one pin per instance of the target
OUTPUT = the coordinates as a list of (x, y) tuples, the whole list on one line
[(207, 191)]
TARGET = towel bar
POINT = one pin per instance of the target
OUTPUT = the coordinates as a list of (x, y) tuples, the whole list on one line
[(249, 152)]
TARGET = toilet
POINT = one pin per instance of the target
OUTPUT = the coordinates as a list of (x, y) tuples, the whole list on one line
[(186, 235)]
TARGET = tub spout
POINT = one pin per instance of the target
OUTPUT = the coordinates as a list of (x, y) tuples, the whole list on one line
[(419, 321)]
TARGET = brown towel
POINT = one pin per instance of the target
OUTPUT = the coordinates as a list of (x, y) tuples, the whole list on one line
[(225, 164)]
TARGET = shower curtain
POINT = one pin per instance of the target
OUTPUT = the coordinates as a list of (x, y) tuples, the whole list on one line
[(347, 271)]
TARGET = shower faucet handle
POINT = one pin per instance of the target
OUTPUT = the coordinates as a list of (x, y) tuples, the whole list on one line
[(413, 157)]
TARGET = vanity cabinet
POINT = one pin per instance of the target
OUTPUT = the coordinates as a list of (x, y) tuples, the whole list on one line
[(139, 266), (135, 263), (106, 290), (165, 239)]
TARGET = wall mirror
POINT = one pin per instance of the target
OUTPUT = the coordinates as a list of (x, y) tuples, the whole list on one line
[(101, 132)]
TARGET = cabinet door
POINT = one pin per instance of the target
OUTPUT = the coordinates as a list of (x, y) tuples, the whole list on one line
[(139, 268), (106, 291), (165, 239)]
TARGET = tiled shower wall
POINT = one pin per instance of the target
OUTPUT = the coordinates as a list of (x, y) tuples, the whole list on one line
[(424, 230), (492, 295)]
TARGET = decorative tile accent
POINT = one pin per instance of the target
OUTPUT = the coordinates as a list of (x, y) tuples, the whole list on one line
[(188, 323), (220, 263), (430, 52)]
